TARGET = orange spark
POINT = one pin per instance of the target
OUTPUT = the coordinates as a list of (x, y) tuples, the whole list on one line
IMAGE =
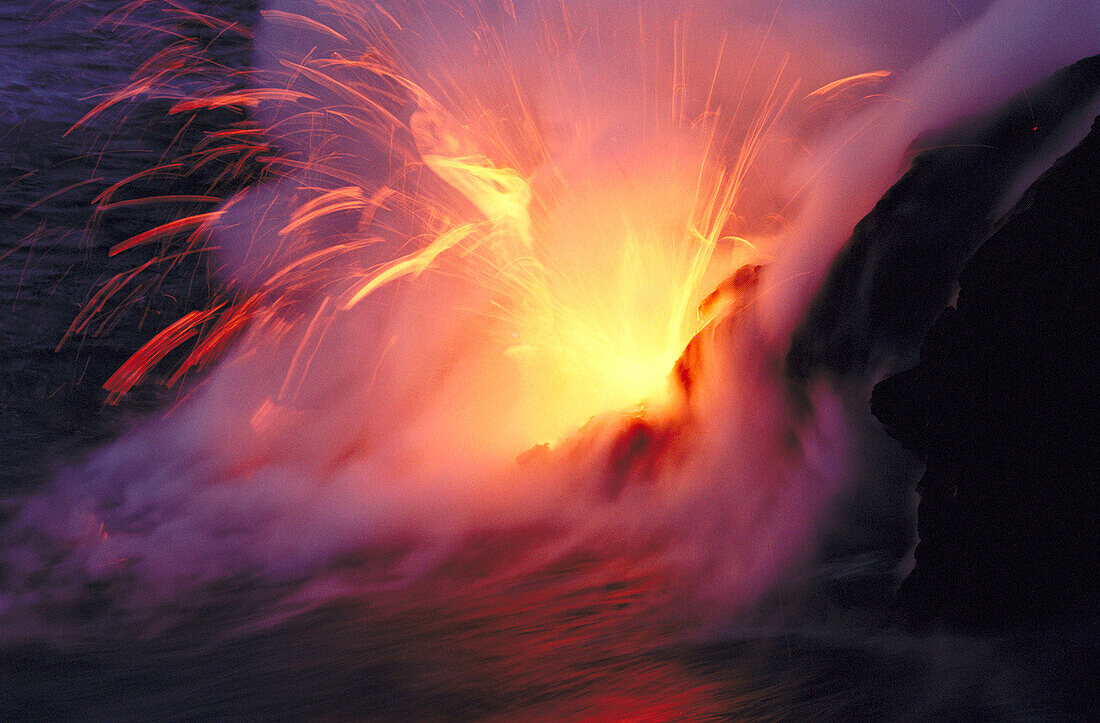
[(199, 220), (851, 81), (138, 365)]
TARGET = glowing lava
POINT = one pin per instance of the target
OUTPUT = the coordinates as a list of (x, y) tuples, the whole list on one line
[(591, 218), (546, 193)]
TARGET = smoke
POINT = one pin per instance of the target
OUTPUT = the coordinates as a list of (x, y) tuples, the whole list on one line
[(369, 440), (897, 272), (1009, 47)]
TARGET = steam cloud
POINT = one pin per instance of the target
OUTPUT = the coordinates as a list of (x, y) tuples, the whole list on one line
[(373, 450)]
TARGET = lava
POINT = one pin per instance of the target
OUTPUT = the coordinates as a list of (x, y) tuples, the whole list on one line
[(578, 229)]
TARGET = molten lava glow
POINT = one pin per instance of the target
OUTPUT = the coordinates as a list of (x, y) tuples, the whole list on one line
[(598, 281), (593, 247), (564, 197), (594, 236), (600, 265)]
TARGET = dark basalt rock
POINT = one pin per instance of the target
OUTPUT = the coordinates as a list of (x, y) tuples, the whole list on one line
[(897, 272), (1004, 409)]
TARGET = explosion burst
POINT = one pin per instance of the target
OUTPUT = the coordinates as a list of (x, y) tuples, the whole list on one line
[(578, 226), (473, 245), (486, 267)]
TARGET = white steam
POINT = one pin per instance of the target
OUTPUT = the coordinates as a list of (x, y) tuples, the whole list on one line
[(1013, 45), (276, 471)]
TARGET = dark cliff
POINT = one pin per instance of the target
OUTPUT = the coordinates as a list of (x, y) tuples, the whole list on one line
[(1003, 408), (897, 272)]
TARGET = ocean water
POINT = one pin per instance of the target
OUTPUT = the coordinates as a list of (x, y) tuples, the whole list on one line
[(585, 636)]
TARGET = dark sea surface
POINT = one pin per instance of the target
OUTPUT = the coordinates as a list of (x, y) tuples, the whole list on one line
[(574, 641), (58, 61)]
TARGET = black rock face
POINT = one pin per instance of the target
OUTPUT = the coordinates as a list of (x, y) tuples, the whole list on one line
[(897, 272), (1005, 411)]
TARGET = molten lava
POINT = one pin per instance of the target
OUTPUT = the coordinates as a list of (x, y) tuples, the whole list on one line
[(590, 239), (564, 199)]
